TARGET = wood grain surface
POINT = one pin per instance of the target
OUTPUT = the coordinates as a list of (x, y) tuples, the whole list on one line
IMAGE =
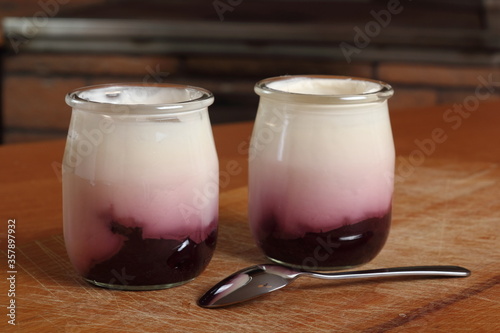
[(446, 211), (438, 219)]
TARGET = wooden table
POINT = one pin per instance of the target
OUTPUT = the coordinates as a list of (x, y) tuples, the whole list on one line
[(446, 211)]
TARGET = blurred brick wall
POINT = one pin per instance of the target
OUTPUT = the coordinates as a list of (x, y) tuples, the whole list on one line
[(34, 85), (418, 84)]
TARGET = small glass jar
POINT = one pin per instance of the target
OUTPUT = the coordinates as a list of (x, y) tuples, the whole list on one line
[(321, 170), (140, 185)]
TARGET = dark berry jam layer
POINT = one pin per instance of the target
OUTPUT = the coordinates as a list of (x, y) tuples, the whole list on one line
[(152, 262), (347, 246)]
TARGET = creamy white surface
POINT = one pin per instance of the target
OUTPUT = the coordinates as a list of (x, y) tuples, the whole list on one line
[(319, 86), (140, 95)]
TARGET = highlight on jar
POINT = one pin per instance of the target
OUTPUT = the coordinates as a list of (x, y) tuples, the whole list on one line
[(140, 185), (321, 183)]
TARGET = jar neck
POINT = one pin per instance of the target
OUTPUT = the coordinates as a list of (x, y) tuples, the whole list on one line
[(324, 90), (140, 99)]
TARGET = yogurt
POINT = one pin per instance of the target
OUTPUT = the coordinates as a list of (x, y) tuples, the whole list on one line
[(321, 161), (145, 182)]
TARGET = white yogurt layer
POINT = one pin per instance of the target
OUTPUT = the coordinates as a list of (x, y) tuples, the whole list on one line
[(318, 171), (320, 86)]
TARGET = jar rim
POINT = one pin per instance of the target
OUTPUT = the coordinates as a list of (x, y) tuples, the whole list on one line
[(99, 98), (381, 92)]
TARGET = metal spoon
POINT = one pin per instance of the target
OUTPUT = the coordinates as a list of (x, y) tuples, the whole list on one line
[(262, 279)]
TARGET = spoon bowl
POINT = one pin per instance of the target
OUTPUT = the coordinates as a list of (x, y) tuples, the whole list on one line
[(255, 281)]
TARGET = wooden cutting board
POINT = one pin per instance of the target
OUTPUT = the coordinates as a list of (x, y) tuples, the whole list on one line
[(444, 213)]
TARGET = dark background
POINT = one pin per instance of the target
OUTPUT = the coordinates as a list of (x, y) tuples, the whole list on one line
[(431, 52)]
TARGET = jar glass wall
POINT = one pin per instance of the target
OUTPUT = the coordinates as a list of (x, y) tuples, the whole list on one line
[(321, 170), (140, 185)]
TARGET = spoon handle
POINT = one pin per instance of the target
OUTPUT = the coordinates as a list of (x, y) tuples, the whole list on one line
[(439, 270)]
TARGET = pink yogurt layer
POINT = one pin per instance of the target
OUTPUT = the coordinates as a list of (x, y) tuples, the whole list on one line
[(161, 215)]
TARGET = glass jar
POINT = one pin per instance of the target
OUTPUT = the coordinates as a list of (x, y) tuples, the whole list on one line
[(321, 170), (140, 185)]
